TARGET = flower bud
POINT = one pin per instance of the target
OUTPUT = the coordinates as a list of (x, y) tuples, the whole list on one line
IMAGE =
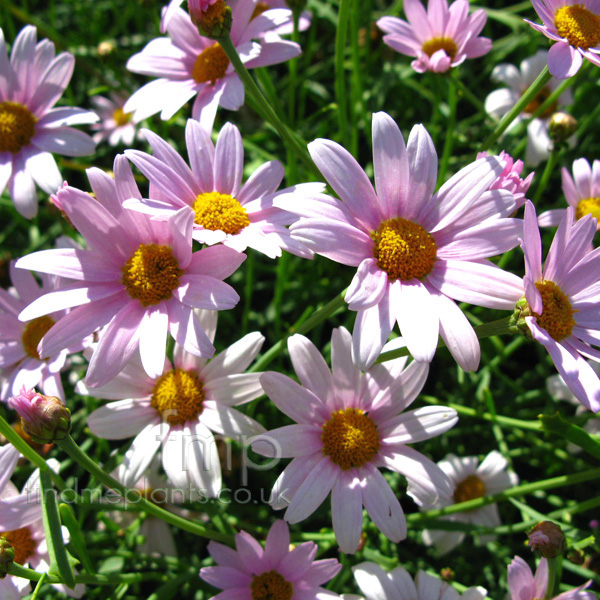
[(548, 539), (7, 557), (561, 127), (45, 418), (105, 48), (211, 17), (517, 323)]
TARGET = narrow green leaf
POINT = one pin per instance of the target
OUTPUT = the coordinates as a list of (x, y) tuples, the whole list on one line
[(576, 435), (68, 518), (38, 587)]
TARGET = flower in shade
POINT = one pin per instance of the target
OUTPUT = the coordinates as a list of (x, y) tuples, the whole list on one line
[(189, 65), (582, 192), (223, 210), (574, 27), (138, 277), (115, 125), (21, 523), (499, 102), (276, 572), (415, 250), (523, 585), (179, 411), (470, 480), (397, 584), (510, 179), (348, 425), (561, 310), (30, 129), (440, 37), (19, 358)]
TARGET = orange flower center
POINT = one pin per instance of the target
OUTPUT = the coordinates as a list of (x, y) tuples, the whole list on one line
[(539, 99), (178, 396), (22, 543), (557, 312), (210, 65), (588, 206), (470, 488), (578, 25), (430, 47), (34, 331), (121, 118), (17, 126), (271, 586), (220, 211), (259, 9)]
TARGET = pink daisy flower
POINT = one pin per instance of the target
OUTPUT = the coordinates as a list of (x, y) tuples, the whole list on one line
[(562, 298), (415, 250), (138, 277), (439, 38), (223, 210), (397, 584), (179, 410), (31, 82), (189, 65), (470, 480), (510, 179), (574, 26), (523, 585), (115, 125), (348, 425), (277, 571), (582, 192)]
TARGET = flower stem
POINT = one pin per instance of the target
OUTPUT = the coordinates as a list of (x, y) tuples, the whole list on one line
[(133, 496), (554, 568), (264, 109), (576, 435), (450, 130), (340, 79), (546, 174), (530, 93)]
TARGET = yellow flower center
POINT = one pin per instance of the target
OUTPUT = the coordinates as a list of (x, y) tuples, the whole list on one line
[(210, 65), (557, 312), (578, 25), (220, 211), (271, 586), (260, 8), (430, 47), (538, 100), (350, 438), (470, 488), (178, 396), (23, 545), (17, 126), (588, 206), (121, 118), (32, 334), (151, 274), (403, 249)]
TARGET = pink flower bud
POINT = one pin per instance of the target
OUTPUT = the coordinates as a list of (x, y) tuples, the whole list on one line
[(548, 539)]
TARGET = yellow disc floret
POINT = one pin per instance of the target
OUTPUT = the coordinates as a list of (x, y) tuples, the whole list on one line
[(222, 212), (259, 9), (17, 126), (178, 396), (578, 25), (32, 334), (557, 312), (350, 438), (210, 65), (271, 586), (121, 117), (448, 45), (403, 249), (588, 206), (470, 488), (151, 274), (22, 543), (538, 100)]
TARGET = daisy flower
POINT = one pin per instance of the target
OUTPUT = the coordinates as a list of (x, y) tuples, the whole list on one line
[(348, 425), (523, 585), (561, 310), (223, 210), (179, 410), (31, 82), (19, 357), (415, 250), (21, 523), (277, 572), (397, 584), (499, 102), (138, 277), (575, 29), (582, 192), (470, 480), (510, 179), (115, 125), (189, 65), (440, 38)]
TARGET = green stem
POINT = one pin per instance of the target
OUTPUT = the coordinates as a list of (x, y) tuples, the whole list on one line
[(520, 490), (39, 586), (553, 580), (576, 435), (532, 91), (79, 456), (340, 76), (321, 315), (549, 170), (265, 109), (450, 131)]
